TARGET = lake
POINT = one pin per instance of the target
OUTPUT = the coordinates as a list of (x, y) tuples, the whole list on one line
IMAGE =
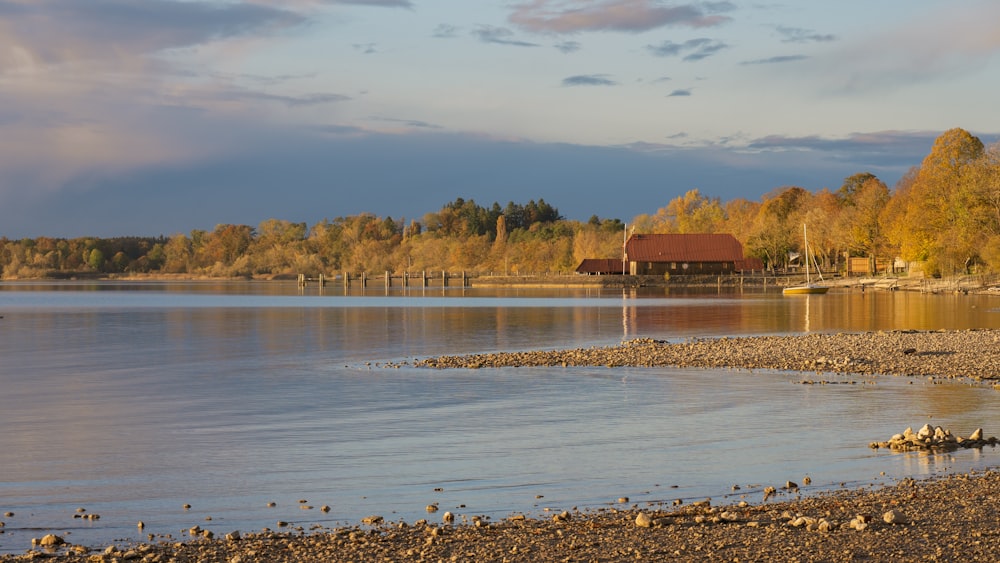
[(132, 399)]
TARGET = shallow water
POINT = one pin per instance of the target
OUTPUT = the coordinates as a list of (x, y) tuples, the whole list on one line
[(132, 399)]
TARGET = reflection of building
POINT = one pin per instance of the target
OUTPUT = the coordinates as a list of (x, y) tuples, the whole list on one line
[(687, 254)]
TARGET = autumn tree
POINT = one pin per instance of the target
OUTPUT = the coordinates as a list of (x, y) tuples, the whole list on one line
[(940, 225)]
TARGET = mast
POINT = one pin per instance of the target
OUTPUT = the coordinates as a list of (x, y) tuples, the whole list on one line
[(805, 241)]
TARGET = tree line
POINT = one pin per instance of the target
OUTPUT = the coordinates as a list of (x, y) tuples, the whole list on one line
[(943, 216)]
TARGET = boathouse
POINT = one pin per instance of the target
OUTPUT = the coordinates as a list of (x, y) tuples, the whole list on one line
[(687, 254)]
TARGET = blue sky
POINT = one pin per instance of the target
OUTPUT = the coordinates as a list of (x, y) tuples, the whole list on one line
[(129, 117)]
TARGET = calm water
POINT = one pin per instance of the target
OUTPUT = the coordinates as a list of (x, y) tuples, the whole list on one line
[(133, 399)]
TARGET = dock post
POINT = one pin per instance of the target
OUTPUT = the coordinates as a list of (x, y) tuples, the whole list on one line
[(406, 278), (322, 280), (388, 280), (364, 280), (302, 280), (465, 281), (347, 279), (424, 277), (444, 278)]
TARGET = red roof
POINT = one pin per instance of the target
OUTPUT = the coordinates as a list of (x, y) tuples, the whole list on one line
[(600, 266), (684, 248)]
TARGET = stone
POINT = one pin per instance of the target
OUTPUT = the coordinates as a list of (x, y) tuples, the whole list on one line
[(448, 518), (643, 520), (50, 540), (977, 435), (894, 517), (233, 536)]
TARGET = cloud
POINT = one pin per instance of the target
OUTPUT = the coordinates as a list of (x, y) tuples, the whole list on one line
[(48, 32), (934, 45), (568, 46), (877, 149), (679, 93), (800, 35), (588, 80), (572, 16), (445, 31), (366, 48), (499, 36), (776, 60), (414, 123), (376, 3), (307, 175), (695, 49), (294, 101)]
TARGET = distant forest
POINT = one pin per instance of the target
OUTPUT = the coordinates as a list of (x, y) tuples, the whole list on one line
[(943, 216)]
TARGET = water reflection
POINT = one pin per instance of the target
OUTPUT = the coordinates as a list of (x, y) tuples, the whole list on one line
[(235, 395)]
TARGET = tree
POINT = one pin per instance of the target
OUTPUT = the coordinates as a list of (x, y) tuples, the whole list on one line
[(96, 259), (939, 225)]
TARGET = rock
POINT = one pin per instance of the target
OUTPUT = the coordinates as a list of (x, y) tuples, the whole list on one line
[(977, 435), (448, 518), (643, 520), (141, 524), (325, 508), (233, 536), (371, 520), (50, 540), (622, 500), (791, 485), (894, 517), (432, 507)]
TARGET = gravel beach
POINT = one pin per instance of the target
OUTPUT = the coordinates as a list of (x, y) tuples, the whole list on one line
[(951, 518), (973, 354)]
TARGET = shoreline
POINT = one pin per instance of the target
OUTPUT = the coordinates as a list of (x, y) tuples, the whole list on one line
[(950, 518), (970, 284)]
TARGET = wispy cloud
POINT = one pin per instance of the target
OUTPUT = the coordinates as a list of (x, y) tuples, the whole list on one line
[(445, 31), (943, 42), (499, 36), (366, 48), (800, 35), (55, 31), (776, 60), (692, 49), (568, 46), (571, 16), (294, 101), (588, 80), (414, 123), (680, 93), (377, 3)]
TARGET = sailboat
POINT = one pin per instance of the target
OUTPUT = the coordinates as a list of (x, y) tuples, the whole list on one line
[(808, 288)]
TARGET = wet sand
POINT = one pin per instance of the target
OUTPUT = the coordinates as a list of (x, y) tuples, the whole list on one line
[(949, 518)]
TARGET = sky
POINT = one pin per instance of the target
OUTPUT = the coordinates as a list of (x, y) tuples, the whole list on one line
[(156, 117)]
